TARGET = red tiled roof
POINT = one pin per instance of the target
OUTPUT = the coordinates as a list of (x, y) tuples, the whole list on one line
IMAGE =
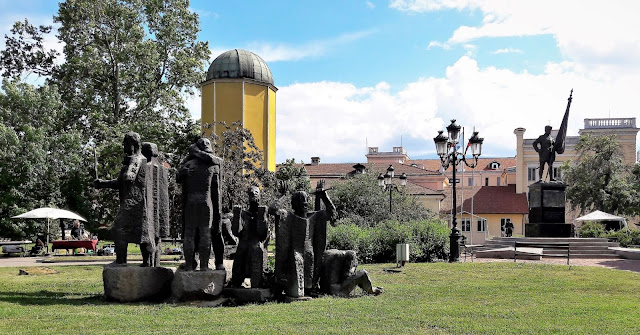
[(333, 172), (343, 169), (335, 169), (415, 189), (497, 200)]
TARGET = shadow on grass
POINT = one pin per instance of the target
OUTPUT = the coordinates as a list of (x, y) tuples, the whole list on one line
[(48, 298), (622, 264)]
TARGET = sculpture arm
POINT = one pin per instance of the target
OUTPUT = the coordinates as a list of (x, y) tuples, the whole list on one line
[(132, 169), (236, 226), (330, 208), (535, 144), (99, 183), (204, 156), (181, 175), (262, 230)]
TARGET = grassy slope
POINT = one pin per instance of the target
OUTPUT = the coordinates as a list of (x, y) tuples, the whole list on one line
[(450, 298)]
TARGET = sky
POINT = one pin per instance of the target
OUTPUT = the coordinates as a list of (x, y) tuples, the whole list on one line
[(352, 74)]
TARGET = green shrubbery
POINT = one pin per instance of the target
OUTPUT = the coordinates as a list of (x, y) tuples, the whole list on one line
[(428, 240), (592, 229), (625, 237)]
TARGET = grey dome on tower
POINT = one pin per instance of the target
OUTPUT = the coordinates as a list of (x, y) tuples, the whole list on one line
[(238, 63)]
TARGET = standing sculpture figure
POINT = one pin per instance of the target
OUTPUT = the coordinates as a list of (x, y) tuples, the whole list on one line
[(300, 242), (544, 146), (157, 189), (547, 147), (200, 176), (132, 213), (251, 228)]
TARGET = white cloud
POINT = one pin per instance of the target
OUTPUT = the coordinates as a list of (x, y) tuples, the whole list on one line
[(271, 52), (471, 49), (507, 51), (370, 4), (437, 44), (421, 6), (205, 13), (597, 34), (333, 120)]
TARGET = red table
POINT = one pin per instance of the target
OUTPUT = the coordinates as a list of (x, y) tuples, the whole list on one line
[(74, 244)]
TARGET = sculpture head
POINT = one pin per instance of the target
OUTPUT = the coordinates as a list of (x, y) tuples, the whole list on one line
[(547, 130), (351, 262), (149, 150), (254, 194), (204, 144), (299, 202), (131, 143)]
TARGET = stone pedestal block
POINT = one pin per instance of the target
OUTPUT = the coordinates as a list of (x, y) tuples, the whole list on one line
[(249, 294), (197, 285), (547, 202), (129, 284), (547, 230), (546, 210)]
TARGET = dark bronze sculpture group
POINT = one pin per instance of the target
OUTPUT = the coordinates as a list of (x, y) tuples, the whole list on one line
[(302, 265)]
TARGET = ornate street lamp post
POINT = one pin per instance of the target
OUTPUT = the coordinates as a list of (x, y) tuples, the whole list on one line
[(386, 182), (449, 155)]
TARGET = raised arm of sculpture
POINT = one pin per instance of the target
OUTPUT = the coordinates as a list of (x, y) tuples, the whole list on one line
[(321, 193)]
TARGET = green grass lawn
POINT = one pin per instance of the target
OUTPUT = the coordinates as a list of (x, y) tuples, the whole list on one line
[(463, 298)]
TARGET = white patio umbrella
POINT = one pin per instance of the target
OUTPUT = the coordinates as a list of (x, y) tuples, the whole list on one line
[(602, 216), (49, 213)]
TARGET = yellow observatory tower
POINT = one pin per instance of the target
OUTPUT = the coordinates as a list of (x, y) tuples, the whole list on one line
[(239, 87)]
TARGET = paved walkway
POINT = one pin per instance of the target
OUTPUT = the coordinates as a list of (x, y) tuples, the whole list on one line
[(39, 261), (616, 263)]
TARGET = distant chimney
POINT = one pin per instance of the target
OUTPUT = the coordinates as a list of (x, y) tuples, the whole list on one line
[(315, 160)]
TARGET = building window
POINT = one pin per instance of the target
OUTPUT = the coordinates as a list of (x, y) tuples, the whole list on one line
[(470, 182), (531, 174), (465, 224), (486, 181), (498, 181), (482, 225)]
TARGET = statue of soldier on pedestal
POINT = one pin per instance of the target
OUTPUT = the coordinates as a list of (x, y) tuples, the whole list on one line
[(547, 147)]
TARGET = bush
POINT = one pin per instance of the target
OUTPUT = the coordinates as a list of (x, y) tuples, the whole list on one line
[(626, 237), (428, 240), (592, 229)]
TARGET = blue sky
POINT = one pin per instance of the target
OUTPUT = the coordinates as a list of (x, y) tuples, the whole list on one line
[(357, 73)]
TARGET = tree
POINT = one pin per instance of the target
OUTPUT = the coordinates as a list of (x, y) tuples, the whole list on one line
[(599, 179), (295, 175), (243, 166), (362, 201), (131, 61), (128, 65), (25, 51), (39, 163)]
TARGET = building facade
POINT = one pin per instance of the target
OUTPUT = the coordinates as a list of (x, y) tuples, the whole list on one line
[(240, 87)]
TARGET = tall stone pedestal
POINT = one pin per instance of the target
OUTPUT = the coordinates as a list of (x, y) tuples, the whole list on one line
[(546, 210), (197, 285), (133, 283)]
